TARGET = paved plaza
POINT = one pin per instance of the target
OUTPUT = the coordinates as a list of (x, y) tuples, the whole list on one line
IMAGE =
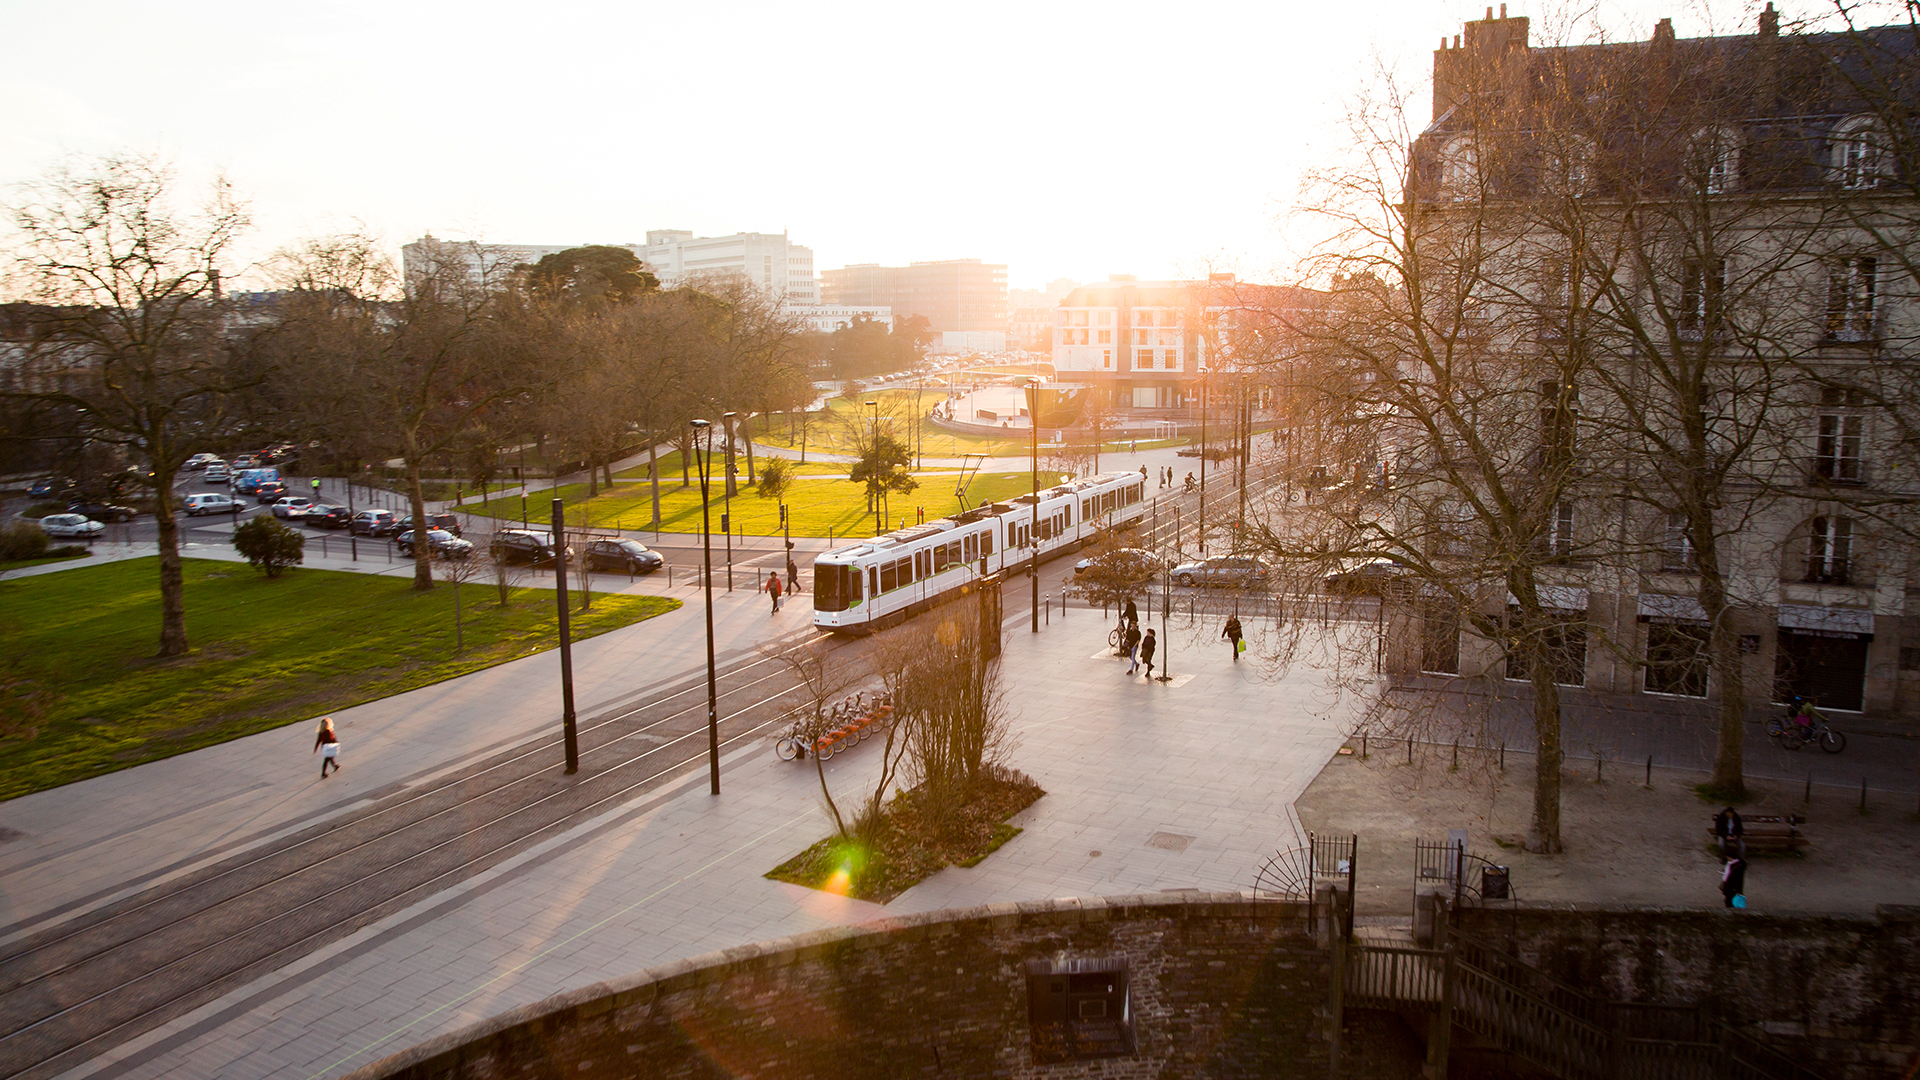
[(1182, 785)]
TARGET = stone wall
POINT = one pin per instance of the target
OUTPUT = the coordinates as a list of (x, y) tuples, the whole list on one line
[(1221, 987), (1843, 992)]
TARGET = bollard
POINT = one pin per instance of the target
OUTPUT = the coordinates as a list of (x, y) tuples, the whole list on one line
[(1363, 746), (1503, 755), (1649, 770), (1599, 768), (1456, 755), (1409, 749), (1046, 604), (669, 577)]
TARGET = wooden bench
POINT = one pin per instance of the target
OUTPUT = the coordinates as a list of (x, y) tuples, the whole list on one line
[(1772, 833)]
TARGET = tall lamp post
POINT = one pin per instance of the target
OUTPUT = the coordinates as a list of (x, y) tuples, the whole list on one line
[(873, 488), (726, 496), (1203, 461), (706, 549), (568, 731), (1033, 534)]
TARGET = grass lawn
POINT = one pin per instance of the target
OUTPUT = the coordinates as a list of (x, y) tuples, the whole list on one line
[(15, 564), (81, 694), (815, 505)]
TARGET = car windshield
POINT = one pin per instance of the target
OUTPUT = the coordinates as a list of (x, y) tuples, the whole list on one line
[(633, 547), (439, 535)]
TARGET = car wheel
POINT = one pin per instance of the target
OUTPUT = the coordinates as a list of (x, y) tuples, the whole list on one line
[(1185, 579)]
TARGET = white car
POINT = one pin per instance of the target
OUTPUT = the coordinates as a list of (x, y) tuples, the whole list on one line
[(209, 503), (201, 461), (291, 506), (216, 474), (71, 525)]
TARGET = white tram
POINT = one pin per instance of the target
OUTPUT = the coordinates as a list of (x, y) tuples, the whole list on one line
[(879, 582)]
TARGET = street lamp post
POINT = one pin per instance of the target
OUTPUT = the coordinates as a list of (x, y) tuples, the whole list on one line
[(873, 488), (726, 498), (706, 549), (1033, 534), (1203, 461), (567, 728)]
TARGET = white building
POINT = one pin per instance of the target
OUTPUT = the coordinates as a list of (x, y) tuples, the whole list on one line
[(781, 267), (826, 318)]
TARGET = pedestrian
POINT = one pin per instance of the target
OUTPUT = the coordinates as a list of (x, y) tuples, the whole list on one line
[(1130, 640), (793, 575), (1143, 472), (1733, 882), (327, 744), (773, 589), (1130, 615), (1147, 646), (1731, 832), (1232, 634), (1133, 447)]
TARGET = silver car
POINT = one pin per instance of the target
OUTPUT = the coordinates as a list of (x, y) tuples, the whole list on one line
[(71, 525), (1243, 571)]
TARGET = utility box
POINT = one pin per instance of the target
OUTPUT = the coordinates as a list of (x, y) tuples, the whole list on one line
[(1078, 1009), (1494, 883)]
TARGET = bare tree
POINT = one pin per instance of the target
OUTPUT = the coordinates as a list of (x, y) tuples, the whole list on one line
[(134, 335), (823, 678)]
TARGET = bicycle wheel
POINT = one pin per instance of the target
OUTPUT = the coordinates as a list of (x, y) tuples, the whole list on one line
[(1793, 738), (788, 748), (1776, 725), (1113, 639), (1832, 741)]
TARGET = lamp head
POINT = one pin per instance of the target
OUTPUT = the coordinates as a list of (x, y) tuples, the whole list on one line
[(699, 424), (869, 403), (728, 415)]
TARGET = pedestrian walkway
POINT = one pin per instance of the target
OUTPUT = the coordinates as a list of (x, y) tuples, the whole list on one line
[(1150, 786)]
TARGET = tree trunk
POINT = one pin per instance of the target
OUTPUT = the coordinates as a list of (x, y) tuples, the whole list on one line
[(1723, 650), (422, 551), (732, 487), (747, 428), (653, 476), (173, 590), (1543, 833)]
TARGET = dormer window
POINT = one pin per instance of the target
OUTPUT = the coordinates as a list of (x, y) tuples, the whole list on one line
[(1717, 159), (1856, 155), (1460, 169)]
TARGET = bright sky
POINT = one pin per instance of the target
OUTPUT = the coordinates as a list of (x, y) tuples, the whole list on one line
[(1065, 140)]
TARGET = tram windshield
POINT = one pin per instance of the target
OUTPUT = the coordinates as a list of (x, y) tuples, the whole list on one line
[(835, 588)]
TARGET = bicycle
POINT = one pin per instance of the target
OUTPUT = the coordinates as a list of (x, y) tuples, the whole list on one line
[(1798, 735)]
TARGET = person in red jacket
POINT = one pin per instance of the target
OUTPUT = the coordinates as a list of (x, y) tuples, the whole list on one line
[(327, 745), (773, 589)]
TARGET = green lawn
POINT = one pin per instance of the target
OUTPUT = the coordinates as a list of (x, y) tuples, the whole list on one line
[(816, 505), (81, 694)]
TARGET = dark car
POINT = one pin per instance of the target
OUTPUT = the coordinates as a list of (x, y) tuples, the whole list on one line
[(629, 555), (100, 511), (375, 523), (442, 543), (521, 545), (1368, 577), (269, 492), (448, 522), (322, 516)]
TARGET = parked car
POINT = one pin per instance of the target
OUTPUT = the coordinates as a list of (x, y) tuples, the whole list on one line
[(1214, 453), (292, 506), (216, 474), (442, 543), (323, 516), (200, 461), (629, 555), (268, 492), (100, 511), (1240, 570), (521, 545), (209, 502), (48, 488), (374, 523), (1367, 577), (449, 522), (70, 525), (1123, 564)]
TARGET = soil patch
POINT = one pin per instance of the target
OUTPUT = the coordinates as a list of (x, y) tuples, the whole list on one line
[(1626, 843), (907, 848)]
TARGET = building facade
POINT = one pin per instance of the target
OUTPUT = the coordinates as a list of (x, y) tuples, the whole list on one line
[(826, 318), (956, 294), (1702, 262), (772, 262)]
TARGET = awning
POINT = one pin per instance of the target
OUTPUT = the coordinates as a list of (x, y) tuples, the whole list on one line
[(1562, 598), (1833, 620), (1667, 608)]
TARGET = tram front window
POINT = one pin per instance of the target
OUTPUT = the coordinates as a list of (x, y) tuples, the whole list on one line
[(835, 588)]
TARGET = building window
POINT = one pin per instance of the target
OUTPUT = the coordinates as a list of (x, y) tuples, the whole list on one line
[(1702, 281), (1106, 318), (1838, 436), (1106, 337), (1676, 550), (1140, 337), (1829, 550), (1856, 155), (1143, 359), (1173, 359), (1717, 159), (1106, 358), (1853, 288), (1677, 659), (1559, 538), (1460, 169)]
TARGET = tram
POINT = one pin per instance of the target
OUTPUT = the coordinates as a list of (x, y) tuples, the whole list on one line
[(885, 580)]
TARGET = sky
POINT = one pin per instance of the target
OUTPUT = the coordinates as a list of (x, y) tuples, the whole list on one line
[(1063, 140)]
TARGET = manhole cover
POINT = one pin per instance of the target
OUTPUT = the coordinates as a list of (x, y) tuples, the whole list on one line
[(1169, 841)]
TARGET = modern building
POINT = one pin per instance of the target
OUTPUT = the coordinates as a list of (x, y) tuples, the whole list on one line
[(485, 265), (826, 318), (771, 261), (957, 294), (1754, 291)]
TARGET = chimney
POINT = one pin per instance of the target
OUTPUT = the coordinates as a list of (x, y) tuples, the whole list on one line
[(1769, 21), (213, 278), (1663, 33)]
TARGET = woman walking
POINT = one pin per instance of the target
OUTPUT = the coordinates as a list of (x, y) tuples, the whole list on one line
[(1232, 634), (327, 744), (1130, 640), (1147, 645)]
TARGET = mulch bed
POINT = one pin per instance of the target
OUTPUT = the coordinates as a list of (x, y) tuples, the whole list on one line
[(906, 850)]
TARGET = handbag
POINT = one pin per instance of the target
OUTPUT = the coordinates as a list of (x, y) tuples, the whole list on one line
[(1739, 900), (1240, 646)]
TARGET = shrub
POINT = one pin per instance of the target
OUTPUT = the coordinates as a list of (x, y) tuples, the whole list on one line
[(22, 541), (269, 545)]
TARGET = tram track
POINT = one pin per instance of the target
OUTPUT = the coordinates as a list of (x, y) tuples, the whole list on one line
[(81, 987)]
